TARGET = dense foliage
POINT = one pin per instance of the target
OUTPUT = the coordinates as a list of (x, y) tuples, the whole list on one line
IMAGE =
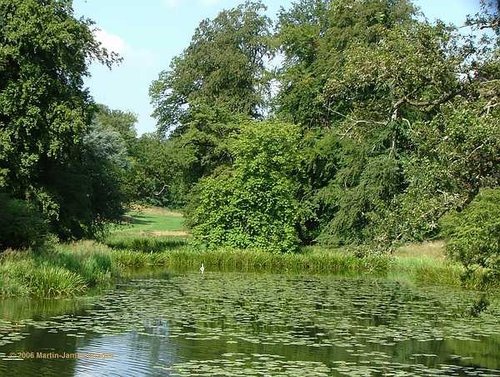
[(341, 123), (218, 81), (21, 226), (385, 94), (47, 158), (253, 203), (398, 118), (474, 234), (224, 67)]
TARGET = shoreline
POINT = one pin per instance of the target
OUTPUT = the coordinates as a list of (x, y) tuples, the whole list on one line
[(75, 269)]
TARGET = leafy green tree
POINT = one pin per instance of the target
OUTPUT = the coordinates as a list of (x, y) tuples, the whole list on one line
[(113, 138), (154, 177), (377, 85), (315, 37), (224, 66), (473, 235), (45, 111), (21, 225), (122, 122), (218, 81), (251, 204)]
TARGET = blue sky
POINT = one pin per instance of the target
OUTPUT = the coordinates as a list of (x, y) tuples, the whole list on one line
[(149, 33)]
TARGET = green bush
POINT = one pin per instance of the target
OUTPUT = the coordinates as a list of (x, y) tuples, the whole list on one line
[(251, 204), (473, 235), (21, 225)]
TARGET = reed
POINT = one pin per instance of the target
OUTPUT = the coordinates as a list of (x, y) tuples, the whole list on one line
[(188, 258), (25, 277), (63, 270), (72, 269)]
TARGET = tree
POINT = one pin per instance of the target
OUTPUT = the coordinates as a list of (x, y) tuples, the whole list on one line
[(44, 110), (21, 225), (216, 83), (315, 37), (122, 122), (155, 175), (224, 66), (377, 84), (473, 235), (251, 204)]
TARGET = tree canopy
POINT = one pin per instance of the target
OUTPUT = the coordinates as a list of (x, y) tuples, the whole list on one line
[(397, 116), (45, 113), (223, 66)]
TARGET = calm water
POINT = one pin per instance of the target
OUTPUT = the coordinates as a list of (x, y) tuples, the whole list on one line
[(225, 324)]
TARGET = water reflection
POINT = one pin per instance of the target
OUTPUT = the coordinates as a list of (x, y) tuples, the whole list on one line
[(132, 355), (258, 324)]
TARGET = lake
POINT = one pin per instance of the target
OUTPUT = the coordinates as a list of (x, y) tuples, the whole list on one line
[(232, 324)]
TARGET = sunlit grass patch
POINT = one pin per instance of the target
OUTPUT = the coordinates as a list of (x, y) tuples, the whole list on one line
[(426, 270), (425, 263), (149, 229), (429, 249), (151, 221)]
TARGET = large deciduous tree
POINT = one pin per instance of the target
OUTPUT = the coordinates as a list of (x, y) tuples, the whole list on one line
[(219, 79), (223, 66), (45, 111), (379, 85)]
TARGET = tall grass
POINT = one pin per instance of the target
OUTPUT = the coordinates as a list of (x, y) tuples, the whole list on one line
[(144, 244), (71, 269), (25, 277), (426, 270), (61, 271), (253, 260)]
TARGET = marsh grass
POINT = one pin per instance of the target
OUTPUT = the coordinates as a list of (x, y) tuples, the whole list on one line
[(71, 269), (425, 264), (62, 270), (144, 243), (26, 277), (426, 270), (253, 261)]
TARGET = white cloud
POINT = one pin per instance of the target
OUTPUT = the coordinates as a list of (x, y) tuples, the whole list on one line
[(111, 42), (131, 55)]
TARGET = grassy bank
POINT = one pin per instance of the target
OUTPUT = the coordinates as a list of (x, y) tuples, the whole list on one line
[(155, 239), (425, 263), (58, 271), (253, 261), (75, 268)]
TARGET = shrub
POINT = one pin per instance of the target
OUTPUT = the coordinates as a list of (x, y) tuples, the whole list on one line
[(251, 204), (21, 225), (474, 235)]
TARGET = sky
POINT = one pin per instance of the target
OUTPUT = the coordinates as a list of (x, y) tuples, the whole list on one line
[(149, 33)]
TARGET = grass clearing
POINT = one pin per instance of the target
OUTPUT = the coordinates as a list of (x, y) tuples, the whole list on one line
[(149, 229), (144, 221)]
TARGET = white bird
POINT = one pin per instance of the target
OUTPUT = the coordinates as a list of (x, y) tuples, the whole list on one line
[(202, 268)]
